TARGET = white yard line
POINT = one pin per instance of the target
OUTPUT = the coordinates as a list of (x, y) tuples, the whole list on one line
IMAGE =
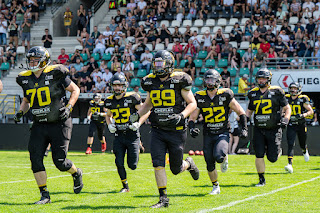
[(256, 196)]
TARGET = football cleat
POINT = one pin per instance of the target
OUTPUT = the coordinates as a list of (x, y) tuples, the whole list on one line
[(163, 202), (215, 190), (288, 168), (262, 182), (123, 190), (77, 181), (306, 156), (224, 165), (45, 198), (193, 169), (103, 147), (89, 151)]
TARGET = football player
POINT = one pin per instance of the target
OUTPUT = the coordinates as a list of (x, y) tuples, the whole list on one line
[(97, 117), (44, 88), (119, 107), (214, 105), (300, 109), (171, 101), (267, 102)]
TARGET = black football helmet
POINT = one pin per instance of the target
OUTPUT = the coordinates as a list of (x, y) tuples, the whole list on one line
[(40, 58), (120, 80), (264, 73), (97, 98), (163, 63), (211, 79), (294, 92)]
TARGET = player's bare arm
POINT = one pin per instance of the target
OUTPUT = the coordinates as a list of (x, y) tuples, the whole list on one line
[(249, 113), (146, 106), (75, 91), (108, 116), (235, 106), (191, 102), (194, 115), (287, 111), (309, 110), (145, 116)]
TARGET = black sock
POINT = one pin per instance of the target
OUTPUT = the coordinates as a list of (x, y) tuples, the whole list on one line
[(261, 176), (75, 174), (304, 151), (215, 183), (163, 191), (90, 145), (43, 188), (290, 160), (125, 183)]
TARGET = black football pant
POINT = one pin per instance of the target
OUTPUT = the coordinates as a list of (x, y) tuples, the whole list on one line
[(58, 135), (99, 127), (292, 131)]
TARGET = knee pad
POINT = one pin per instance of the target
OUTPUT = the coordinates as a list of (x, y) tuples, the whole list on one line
[(211, 167), (175, 169), (62, 164), (158, 163), (272, 159), (219, 159), (36, 165), (132, 166)]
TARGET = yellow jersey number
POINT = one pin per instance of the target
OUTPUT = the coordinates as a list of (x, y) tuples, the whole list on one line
[(216, 119), (39, 92), (162, 97), (265, 109), (124, 112), (295, 109), (95, 109)]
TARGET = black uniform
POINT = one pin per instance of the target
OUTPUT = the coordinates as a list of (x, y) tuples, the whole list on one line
[(126, 140), (97, 122), (297, 126), (215, 113), (167, 100), (267, 109), (47, 95)]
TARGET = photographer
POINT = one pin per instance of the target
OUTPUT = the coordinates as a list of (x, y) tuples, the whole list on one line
[(75, 56)]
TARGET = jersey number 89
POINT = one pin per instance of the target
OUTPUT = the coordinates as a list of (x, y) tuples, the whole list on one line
[(162, 98)]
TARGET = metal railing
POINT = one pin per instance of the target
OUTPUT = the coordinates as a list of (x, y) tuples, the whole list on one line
[(6, 106), (306, 63), (56, 5), (97, 4)]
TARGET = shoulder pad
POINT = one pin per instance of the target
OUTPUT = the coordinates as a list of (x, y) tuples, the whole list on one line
[(151, 75), (25, 73), (276, 88), (51, 67), (288, 95), (255, 89), (177, 74), (110, 97), (304, 96), (101, 102), (202, 92), (129, 94), (92, 101), (222, 90)]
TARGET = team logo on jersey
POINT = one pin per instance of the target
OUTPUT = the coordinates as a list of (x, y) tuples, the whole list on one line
[(108, 104), (211, 104), (128, 101), (222, 99), (25, 81), (36, 85), (171, 86), (254, 95), (201, 100), (49, 77), (147, 83), (118, 105), (175, 81), (125, 104), (161, 86), (46, 83), (41, 111), (298, 102)]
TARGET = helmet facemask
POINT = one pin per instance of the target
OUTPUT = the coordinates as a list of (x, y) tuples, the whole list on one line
[(211, 82), (118, 90), (97, 98), (37, 62), (294, 90)]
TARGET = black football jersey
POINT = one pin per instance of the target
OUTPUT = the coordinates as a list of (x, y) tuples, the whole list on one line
[(215, 111), (47, 93), (267, 106), (122, 109), (297, 108), (97, 108), (166, 98)]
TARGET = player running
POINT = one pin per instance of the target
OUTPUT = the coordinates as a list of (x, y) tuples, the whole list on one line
[(171, 101), (300, 109), (267, 102), (96, 115), (214, 105), (119, 107), (44, 88)]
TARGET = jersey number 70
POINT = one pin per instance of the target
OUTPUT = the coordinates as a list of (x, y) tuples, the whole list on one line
[(39, 92)]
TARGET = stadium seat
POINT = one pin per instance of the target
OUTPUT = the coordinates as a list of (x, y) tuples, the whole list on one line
[(141, 73), (165, 22), (254, 51), (84, 56), (150, 47), (182, 30), (21, 50), (169, 16), (202, 54), (169, 48), (204, 29), (198, 23), (210, 23), (252, 80), (78, 47), (236, 81), (175, 23), (226, 14), (243, 21), (171, 30), (237, 14), (135, 82), (142, 23), (131, 39), (203, 70), (215, 29), (248, 14), (214, 15), (233, 71), (222, 63), (234, 89), (233, 43), (106, 57), (241, 52), (109, 65), (228, 29), (222, 22), (293, 20), (254, 27), (194, 29), (136, 64), (244, 45), (210, 63), (226, 35), (244, 71), (255, 70), (219, 70), (198, 81), (159, 47), (218, 7), (233, 21), (186, 22), (194, 89), (96, 56), (198, 63), (182, 63), (130, 89), (5, 66), (141, 90)]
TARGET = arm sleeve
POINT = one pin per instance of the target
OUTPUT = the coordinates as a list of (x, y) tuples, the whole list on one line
[(136, 99), (250, 106), (63, 74), (283, 100), (186, 82), (146, 84), (229, 95), (19, 81)]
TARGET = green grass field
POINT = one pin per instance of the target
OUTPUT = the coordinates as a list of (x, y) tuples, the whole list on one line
[(18, 189)]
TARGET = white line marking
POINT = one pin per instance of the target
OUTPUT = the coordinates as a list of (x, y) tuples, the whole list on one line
[(260, 195)]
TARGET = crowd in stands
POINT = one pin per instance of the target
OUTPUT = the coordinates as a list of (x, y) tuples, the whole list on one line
[(272, 28)]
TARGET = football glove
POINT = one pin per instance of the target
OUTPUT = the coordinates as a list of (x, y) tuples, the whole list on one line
[(194, 132), (244, 126), (284, 122), (244, 133), (300, 116), (65, 112), (134, 117), (134, 126), (174, 119), (112, 128), (17, 117)]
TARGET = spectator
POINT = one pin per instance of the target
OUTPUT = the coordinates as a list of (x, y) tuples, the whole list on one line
[(79, 66), (67, 16), (131, 6), (286, 28), (81, 23), (100, 85), (62, 58), (192, 11), (226, 80), (111, 45), (92, 65), (176, 35), (187, 34), (239, 4), (87, 45), (285, 38), (308, 4), (145, 60), (106, 76), (89, 85), (304, 48), (311, 26), (243, 85), (316, 13), (73, 75), (248, 30), (235, 58), (140, 34), (128, 52), (13, 32), (316, 55), (274, 28), (264, 46), (284, 63), (95, 73), (139, 49), (118, 18), (279, 47), (47, 40), (152, 35), (306, 15), (269, 16), (255, 40), (285, 8), (54, 62), (236, 33), (34, 9), (247, 59), (118, 71), (259, 57), (116, 53), (203, 12), (1, 54), (75, 56), (264, 5), (226, 50), (234, 132), (164, 35), (115, 65), (272, 55), (28, 14), (177, 49), (270, 37), (3, 30), (190, 67), (207, 38), (26, 26), (141, 8), (152, 18), (252, 4), (281, 15), (107, 33), (100, 45), (292, 47), (162, 7), (296, 63), (129, 19), (10, 54), (189, 50), (196, 41), (95, 34), (261, 28), (257, 16), (214, 50), (128, 68), (180, 12), (136, 89), (295, 9), (228, 5), (113, 25), (19, 13), (88, 17)]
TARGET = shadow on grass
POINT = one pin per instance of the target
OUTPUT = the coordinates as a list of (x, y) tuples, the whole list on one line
[(84, 192), (171, 195), (83, 207), (267, 173), (29, 204), (233, 185), (315, 169)]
